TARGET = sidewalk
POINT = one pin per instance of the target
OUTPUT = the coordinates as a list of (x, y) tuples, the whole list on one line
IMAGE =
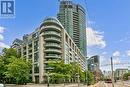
[(95, 85), (51, 85)]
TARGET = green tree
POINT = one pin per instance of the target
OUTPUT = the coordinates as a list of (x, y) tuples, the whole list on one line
[(90, 78), (75, 71), (8, 52), (19, 69), (66, 72), (125, 76), (4, 60), (13, 67), (2, 70), (61, 72)]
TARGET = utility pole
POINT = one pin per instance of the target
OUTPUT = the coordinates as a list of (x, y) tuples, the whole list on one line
[(112, 72), (78, 81), (122, 78)]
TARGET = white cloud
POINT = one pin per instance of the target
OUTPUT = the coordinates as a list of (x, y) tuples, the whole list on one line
[(2, 29), (116, 60), (1, 37), (104, 53), (116, 54), (128, 53), (125, 39), (3, 45), (107, 62), (91, 22), (95, 38), (102, 60)]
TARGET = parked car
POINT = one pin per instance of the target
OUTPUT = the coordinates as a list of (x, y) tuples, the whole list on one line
[(2, 85), (108, 81)]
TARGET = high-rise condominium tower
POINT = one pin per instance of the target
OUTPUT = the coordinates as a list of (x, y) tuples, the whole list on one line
[(72, 17)]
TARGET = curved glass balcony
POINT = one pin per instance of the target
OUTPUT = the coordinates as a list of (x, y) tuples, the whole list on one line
[(48, 68), (52, 39), (52, 57), (52, 33), (53, 20), (46, 62), (50, 27), (53, 45), (53, 51)]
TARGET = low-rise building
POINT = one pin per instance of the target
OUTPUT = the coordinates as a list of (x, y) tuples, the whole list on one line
[(120, 72), (107, 74)]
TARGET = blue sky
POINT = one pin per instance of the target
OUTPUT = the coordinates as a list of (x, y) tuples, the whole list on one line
[(109, 25)]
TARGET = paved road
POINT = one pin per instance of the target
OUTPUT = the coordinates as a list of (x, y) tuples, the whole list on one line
[(118, 84)]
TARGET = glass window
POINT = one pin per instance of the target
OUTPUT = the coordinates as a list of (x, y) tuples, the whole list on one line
[(30, 57), (70, 42), (35, 45), (30, 45), (66, 38), (36, 57), (35, 35), (36, 68)]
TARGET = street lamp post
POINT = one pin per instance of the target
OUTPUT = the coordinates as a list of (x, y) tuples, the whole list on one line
[(77, 74), (122, 78), (112, 72), (85, 77), (64, 82), (48, 78), (78, 79)]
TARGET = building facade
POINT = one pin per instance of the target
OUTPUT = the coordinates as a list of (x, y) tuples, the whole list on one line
[(72, 17), (93, 63), (120, 72), (49, 42), (107, 74)]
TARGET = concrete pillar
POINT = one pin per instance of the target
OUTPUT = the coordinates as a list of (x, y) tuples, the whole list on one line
[(33, 76), (41, 59)]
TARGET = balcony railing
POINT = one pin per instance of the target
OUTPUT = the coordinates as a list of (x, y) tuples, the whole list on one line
[(52, 33), (53, 45), (53, 51), (52, 39), (51, 27), (52, 57)]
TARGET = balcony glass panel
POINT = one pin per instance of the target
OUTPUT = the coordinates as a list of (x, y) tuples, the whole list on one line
[(52, 33)]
